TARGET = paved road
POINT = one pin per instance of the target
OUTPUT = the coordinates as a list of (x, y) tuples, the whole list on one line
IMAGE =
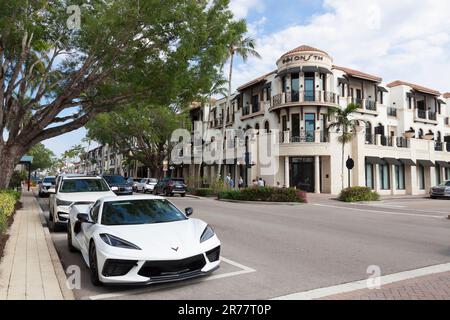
[(297, 248)]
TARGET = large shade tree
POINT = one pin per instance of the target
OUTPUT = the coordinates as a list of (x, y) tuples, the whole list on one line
[(54, 78), (140, 132)]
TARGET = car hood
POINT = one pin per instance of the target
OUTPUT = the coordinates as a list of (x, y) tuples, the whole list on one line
[(84, 196), (170, 240)]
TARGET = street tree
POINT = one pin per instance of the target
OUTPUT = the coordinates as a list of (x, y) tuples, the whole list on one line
[(346, 124), (60, 69), (42, 157), (140, 132), (243, 47)]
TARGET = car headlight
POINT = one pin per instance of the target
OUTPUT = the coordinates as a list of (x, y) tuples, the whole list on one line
[(117, 242), (208, 233), (60, 202)]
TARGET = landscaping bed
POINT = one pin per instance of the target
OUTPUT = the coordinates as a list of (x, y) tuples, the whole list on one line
[(264, 194), (9, 204), (358, 194)]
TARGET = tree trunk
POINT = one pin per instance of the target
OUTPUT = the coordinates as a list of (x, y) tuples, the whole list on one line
[(227, 106), (9, 158)]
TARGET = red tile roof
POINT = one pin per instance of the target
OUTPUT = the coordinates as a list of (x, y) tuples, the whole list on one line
[(414, 87), (447, 95), (303, 48), (255, 81), (358, 74)]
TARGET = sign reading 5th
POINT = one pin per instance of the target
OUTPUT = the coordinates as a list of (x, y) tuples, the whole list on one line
[(304, 57)]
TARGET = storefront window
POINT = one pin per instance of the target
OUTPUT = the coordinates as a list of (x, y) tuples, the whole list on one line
[(369, 176), (400, 177), (384, 177), (421, 177), (438, 174)]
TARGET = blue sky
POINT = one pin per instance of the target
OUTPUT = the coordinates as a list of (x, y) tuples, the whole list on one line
[(397, 40)]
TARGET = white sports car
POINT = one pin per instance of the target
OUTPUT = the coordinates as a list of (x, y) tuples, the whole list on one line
[(141, 240)]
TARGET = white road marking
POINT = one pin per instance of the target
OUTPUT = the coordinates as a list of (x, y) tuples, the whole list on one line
[(362, 284), (383, 212), (382, 205), (244, 270)]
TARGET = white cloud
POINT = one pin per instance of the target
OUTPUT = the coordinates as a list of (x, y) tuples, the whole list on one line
[(402, 39), (241, 8)]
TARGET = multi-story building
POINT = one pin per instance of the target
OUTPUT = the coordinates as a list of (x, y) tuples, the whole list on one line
[(401, 146)]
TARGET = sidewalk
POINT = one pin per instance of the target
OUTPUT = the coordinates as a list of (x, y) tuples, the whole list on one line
[(27, 271), (430, 287)]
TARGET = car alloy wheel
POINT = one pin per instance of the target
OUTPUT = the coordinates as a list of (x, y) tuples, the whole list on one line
[(93, 266)]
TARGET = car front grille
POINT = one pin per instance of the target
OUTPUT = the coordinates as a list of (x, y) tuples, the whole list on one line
[(214, 254), (172, 268), (115, 268)]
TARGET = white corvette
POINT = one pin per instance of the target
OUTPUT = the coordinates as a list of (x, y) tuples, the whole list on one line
[(141, 240)]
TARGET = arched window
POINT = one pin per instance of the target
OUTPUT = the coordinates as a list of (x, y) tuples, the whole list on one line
[(420, 134), (267, 126), (257, 128), (369, 136)]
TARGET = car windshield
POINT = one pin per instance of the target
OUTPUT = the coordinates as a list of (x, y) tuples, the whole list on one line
[(83, 185), (115, 179), (445, 184), (178, 182), (136, 180), (132, 212), (49, 180)]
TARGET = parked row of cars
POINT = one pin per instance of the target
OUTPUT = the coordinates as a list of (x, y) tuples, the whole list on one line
[(130, 239)]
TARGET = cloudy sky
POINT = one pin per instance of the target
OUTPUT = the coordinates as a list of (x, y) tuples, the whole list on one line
[(397, 40)]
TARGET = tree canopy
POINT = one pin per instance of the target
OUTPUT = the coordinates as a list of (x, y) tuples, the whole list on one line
[(54, 78), (43, 158)]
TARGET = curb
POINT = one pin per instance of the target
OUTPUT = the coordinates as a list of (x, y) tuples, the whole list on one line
[(292, 204), (59, 270)]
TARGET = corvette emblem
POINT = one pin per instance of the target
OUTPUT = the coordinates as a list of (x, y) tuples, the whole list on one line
[(174, 249)]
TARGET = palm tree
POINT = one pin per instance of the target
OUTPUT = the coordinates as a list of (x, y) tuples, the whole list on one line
[(345, 124), (243, 47)]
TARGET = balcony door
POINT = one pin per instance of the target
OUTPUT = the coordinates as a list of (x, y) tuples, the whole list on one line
[(310, 125), (295, 87), (295, 127), (309, 86)]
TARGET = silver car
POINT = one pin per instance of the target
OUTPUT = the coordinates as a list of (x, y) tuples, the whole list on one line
[(47, 183), (441, 191)]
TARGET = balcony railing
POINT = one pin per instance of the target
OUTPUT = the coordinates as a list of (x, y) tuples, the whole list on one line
[(432, 115), (304, 97), (421, 114), (392, 112), (303, 137), (387, 141), (370, 139), (371, 105), (402, 142), (439, 146)]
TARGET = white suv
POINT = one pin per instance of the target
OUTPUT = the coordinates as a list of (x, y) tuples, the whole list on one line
[(73, 190)]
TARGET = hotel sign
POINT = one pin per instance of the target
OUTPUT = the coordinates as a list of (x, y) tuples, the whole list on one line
[(304, 58)]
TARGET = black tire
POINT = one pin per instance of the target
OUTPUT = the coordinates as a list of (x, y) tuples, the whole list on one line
[(166, 193), (51, 222), (93, 266), (155, 192), (40, 195), (69, 239), (183, 195)]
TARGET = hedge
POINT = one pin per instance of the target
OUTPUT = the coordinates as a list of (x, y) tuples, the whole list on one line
[(204, 192), (8, 200), (264, 194), (357, 194)]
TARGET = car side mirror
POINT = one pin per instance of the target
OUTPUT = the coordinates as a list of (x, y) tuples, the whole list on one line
[(84, 218), (52, 190), (189, 211)]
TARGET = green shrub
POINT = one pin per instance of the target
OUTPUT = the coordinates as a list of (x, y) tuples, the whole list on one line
[(357, 194), (264, 194), (8, 200), (204, 192), (17, 178)]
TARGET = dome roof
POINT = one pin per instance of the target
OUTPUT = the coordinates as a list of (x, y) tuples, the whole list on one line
[(304, 48)]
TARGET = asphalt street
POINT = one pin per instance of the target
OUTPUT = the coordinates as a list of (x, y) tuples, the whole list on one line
[(275, 250)]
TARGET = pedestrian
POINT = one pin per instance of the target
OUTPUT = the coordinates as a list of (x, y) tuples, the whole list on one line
[(255, 183), (241, 183), (260, 182), (228, 179), (232, 183)]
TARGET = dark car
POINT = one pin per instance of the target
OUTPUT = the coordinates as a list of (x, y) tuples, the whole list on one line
[(118, 184), (170, 186), (441, 191)]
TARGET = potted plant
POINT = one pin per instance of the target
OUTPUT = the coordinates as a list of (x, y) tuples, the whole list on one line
[(409, 134)]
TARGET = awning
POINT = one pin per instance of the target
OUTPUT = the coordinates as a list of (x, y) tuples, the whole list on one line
[(289, 70), (342, 80), (310, 69), (443, 164), (392, 161), (407, 162), (383, 89), (325, 70), (441, 101), (425, 163), (375, 160)]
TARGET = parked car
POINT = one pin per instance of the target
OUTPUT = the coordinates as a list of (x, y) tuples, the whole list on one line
[(170, 186), (45, 184), (441, 191), (72, 190), (118, 184), (134, 183), (141, 239), (147, 185)]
